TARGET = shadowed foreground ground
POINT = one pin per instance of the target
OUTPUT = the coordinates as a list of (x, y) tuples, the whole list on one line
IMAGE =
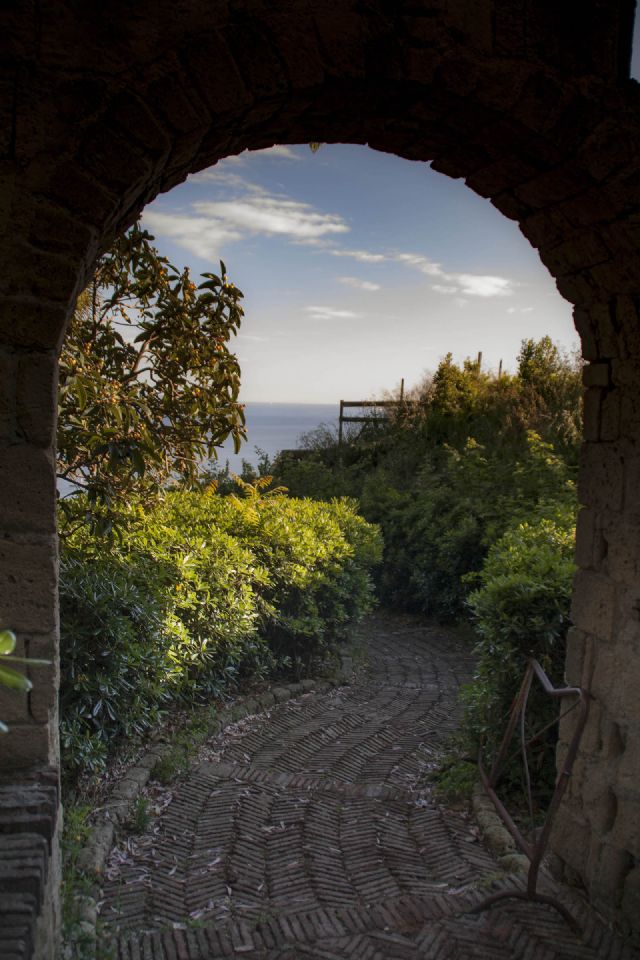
[(310, 832)]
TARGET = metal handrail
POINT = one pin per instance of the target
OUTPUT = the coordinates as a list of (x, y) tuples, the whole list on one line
[(534, 851)]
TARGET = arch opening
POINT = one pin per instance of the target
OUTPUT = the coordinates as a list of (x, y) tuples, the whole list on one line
[(547, 136)]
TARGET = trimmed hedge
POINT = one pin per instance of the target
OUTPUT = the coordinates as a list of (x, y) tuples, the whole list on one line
[(198, 594)]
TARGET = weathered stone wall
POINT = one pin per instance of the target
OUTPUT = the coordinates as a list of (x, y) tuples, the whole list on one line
[(28, 548), (103, 106), (598, 837), (29, 866)]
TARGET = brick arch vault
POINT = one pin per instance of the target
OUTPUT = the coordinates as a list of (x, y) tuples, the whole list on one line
[(106, 105)]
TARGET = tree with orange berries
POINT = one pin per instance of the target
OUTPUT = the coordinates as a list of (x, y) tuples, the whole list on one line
[(148, 385)]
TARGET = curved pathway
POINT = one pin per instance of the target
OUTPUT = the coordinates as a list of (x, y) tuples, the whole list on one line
[(309, 832)]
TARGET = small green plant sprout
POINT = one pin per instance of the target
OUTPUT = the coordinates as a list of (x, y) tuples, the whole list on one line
[(8, 676), (140, 816)]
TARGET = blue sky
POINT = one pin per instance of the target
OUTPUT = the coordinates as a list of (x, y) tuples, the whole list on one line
[(358, 268)]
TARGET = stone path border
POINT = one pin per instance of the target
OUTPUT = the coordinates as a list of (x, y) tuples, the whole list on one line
[(120, 804), (312, 833)]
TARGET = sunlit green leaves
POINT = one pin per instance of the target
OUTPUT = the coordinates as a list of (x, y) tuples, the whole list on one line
[(7, 642), (148, 385), (200, 592)]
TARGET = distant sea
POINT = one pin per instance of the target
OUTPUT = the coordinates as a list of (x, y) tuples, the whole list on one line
[(276, 426)]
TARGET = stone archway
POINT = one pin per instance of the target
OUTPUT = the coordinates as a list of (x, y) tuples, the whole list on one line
[(105, 107)]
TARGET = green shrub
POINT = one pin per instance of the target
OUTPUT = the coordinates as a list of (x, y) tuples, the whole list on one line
[(112, 657), (447, 474), (521, 610), (197, 595), (439, 531), (315, 560)]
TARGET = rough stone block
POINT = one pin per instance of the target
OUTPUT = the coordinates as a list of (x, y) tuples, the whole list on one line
[(592, 404), (281, 694), (630, 905), (596, 375), (579, 289), (42, 274), (610, 416), (14, 706), (628, 323), (28, 484), (628, 771), (570, 841), (629, 411), (8, 393), (607, 880), (601, 482), (37, 382), (27, 744), (619, 275), (72, 187), (625, 373), (101, 154), (28, 584), (549, 188), (607, 149), (585, 538), (626, 830), (46, 679), (593, 603), (127, 789), (92, 857), (32, 322), (500, 175), (580, 251), (607, 333), (632, 485), (133, 116), (622, 535), (586, 329), (576, 649), (228, 89)]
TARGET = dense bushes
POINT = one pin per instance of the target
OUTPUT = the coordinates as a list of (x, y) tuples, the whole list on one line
[(521, 610), (472, 455), (197, 594), (472, 485)]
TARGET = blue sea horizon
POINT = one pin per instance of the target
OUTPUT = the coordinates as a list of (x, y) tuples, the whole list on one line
[(272, 427)]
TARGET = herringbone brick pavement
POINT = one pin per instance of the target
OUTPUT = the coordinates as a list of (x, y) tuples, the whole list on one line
[(310, 832)]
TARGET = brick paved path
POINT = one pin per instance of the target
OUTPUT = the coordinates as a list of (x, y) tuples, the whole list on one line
[(310, 833)]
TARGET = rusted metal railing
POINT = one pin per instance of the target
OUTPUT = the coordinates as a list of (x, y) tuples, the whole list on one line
[(534, 851)]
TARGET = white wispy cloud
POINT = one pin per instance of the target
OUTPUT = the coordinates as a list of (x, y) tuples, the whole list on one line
[(476, 285), (215, 223), (330, 313), (519, 309), (222, 175), (364, 256), (271, 215), (280, 152), (200, 235), (455, 284), (423, 264), (359, 284), (467, 284), (210, 225)]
